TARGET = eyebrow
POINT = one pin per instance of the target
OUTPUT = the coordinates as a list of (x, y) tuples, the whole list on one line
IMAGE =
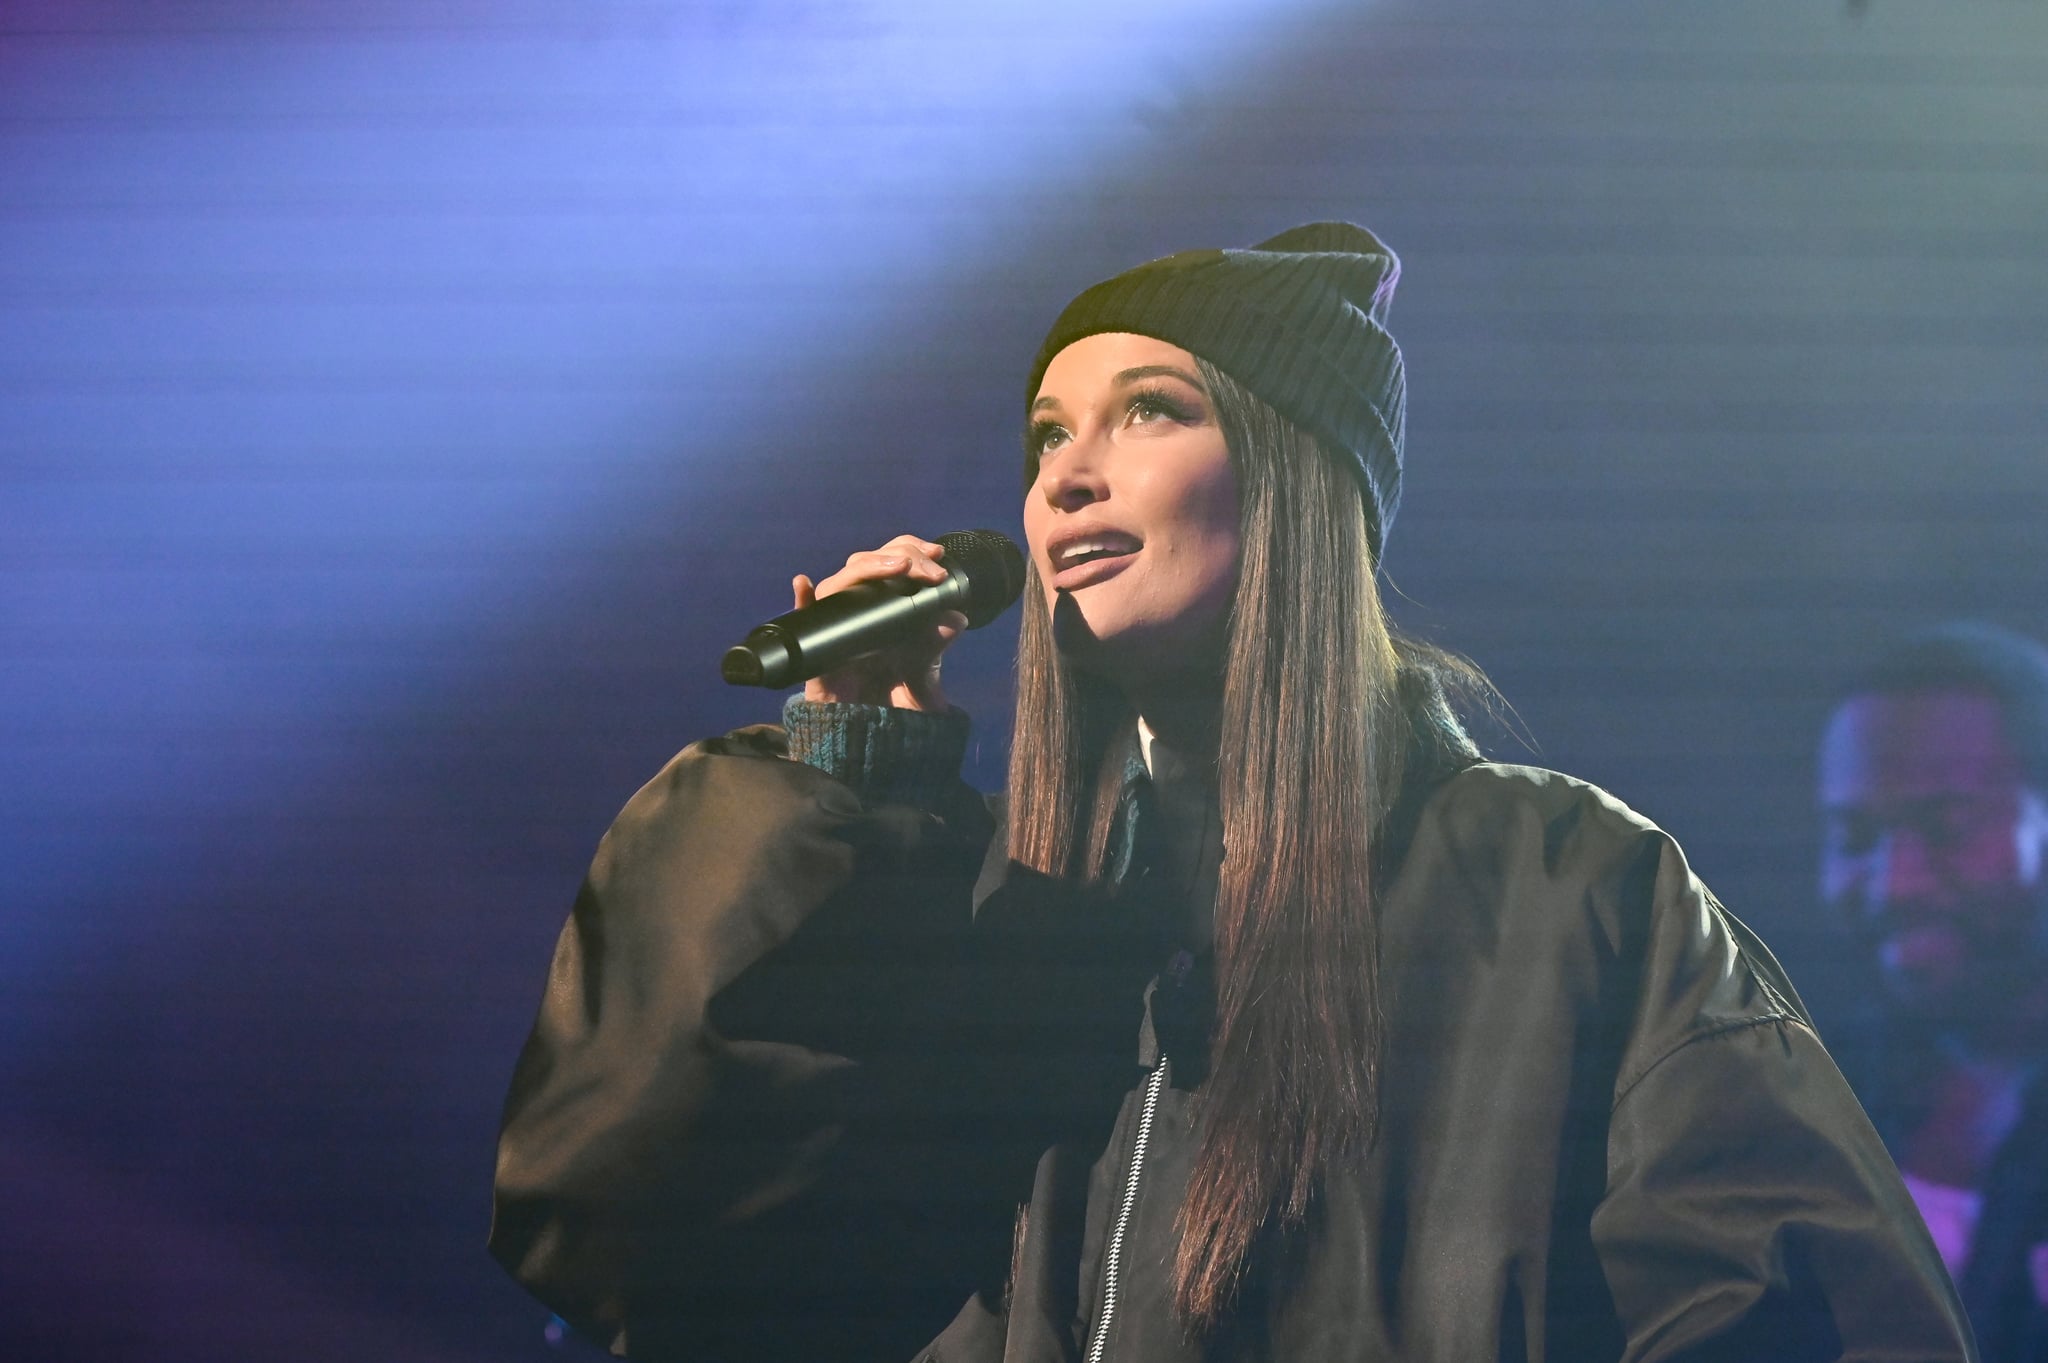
[(1125, 377)]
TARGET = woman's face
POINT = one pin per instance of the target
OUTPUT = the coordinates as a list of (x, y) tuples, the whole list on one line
[(1133, 518)]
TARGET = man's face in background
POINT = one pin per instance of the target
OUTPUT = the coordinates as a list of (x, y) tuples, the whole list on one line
[(1933, 856)]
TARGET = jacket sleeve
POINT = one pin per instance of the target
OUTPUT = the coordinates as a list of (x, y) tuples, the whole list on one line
[(726, 1137), (1751, 1211)]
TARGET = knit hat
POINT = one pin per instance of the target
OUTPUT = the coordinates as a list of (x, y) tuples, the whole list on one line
[(1299, 319)]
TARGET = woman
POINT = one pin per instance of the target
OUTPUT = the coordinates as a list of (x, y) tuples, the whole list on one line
[(1274, 1025)]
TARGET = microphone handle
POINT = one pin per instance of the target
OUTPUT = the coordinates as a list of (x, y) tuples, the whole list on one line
[(835, 629)]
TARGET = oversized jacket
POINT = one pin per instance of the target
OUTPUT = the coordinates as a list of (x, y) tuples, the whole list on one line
[(800, 1088)]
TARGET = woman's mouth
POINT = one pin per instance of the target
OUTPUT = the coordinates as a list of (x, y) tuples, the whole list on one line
[(1086, 560)]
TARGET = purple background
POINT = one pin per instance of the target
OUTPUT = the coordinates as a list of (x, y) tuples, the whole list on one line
[(403, 403)]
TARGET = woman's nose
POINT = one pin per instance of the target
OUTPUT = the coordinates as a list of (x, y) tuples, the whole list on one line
[(1073, 480)]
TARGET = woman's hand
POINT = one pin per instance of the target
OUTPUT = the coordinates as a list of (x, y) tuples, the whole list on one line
[(906, 676)]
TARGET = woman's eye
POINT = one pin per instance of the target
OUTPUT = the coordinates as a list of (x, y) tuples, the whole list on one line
[(1144, 408)]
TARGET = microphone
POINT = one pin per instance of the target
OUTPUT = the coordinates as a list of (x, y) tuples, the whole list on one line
[(985, 573)]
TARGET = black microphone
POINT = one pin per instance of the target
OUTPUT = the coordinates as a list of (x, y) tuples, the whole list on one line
[(985, 573)]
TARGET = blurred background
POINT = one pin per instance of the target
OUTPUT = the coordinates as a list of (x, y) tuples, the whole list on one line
[(403, 403)]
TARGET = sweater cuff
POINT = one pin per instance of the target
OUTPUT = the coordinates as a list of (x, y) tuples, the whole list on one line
[(887, 755)]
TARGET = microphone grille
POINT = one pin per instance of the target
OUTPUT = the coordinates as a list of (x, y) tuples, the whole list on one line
[(993, 567)]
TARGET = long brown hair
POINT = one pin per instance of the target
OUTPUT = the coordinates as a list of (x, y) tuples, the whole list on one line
[(1309, 763)]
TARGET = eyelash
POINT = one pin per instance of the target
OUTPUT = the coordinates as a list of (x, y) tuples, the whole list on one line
[(1161, 401)]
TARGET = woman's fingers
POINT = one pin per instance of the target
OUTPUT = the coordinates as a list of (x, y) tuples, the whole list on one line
[(929, 548), (904, 556)]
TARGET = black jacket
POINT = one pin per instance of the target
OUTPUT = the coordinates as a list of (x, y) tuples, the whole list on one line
[(789, 1090)]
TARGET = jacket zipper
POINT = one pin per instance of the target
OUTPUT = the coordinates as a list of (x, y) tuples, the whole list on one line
[(1112, 1260)]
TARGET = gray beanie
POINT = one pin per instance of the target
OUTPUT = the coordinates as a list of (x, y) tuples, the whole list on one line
[(1299, 319)]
